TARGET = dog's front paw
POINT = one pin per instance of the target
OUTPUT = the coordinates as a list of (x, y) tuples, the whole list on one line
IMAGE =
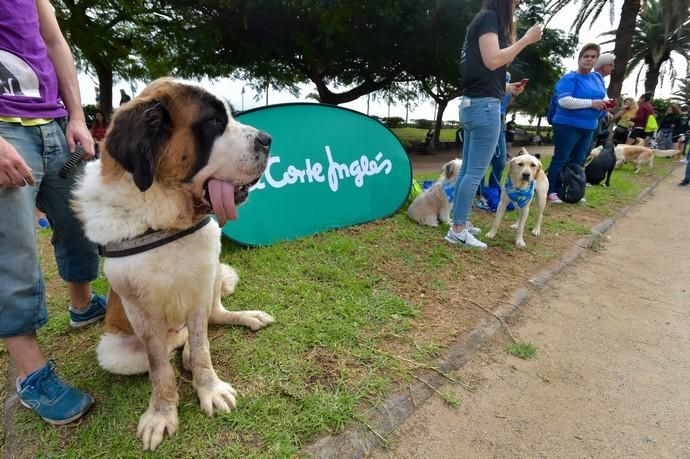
[(491, 234), (216, 397), (536, 231), (514, 225), (255, 320), (520, 243), (154, 423)]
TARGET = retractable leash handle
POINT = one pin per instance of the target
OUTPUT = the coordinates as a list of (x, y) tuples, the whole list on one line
[(71, 163)]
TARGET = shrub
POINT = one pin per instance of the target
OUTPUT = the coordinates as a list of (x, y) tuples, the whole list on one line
[(393, 122)]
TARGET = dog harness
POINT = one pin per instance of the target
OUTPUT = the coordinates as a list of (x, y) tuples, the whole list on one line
[(147, 241), (519, 196)]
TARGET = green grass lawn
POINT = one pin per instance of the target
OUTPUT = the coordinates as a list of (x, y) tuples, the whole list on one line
[(417, 135), (356, 311)]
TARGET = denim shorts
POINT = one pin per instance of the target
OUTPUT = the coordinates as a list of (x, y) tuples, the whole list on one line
[(22, 291)]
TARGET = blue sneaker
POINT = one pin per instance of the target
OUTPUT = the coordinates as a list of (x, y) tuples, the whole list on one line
[(95, 311), (481, 204), (52, 399)]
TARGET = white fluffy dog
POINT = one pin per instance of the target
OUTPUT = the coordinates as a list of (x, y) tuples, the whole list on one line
[(433, 206)]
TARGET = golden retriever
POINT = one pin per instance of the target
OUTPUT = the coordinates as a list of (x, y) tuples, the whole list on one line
[(525, 180)]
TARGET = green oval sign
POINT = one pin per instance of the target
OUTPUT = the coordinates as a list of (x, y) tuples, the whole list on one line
[(330, 167)]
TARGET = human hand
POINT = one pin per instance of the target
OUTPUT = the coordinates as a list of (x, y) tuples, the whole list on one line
[(78, 132), (14, 172), (534, 33), (515, 89), (599, 104)]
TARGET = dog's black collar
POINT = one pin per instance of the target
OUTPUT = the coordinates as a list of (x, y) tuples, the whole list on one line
[(147, 241)]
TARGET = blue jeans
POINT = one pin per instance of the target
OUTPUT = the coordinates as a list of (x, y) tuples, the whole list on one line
[(22, 291), (571, 145), (481, 119), (499, 159), (665, 139)]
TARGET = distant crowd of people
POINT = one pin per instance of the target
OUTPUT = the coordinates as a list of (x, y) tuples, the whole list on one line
[(580, 113)]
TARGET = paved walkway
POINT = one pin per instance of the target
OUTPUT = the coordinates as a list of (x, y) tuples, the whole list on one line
[(611, 377)]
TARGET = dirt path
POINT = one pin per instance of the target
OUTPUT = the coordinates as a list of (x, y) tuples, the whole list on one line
[(426, 163), (611, 375)]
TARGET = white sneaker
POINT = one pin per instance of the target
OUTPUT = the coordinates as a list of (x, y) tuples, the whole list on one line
[(473, 230), (465, 238), (583, 200)]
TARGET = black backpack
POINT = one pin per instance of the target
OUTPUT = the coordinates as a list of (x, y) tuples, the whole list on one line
[(572, 183)]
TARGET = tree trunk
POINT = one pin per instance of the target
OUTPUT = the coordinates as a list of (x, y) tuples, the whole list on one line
[(538, 131), (622, 50), (652, 77), (105, 82), (435, 142)]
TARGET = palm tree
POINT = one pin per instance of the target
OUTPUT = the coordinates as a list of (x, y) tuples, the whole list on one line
[(591, 9), (682, 94), (659, 40)]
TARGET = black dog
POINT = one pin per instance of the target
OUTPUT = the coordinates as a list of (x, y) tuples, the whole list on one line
[(602, 166)]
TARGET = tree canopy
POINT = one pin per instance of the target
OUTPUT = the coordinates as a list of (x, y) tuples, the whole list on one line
[(658, 41), (127, 39), (541, 62), (348, 45)]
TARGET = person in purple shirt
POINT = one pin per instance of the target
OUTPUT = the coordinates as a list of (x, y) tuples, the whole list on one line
[(38, 90)]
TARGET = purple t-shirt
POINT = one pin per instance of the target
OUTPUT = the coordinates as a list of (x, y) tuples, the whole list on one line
[(28, 84)]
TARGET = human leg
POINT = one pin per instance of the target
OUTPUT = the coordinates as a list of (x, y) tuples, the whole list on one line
[(581, 147), (686, 179), (481, 118), (22, 292), (76, 256), (25, 353), (498, 160), (665, 139), (564, 139)]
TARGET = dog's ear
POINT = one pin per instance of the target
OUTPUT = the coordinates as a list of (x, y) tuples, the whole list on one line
[(448, 169), (136, 138), (539, 166)]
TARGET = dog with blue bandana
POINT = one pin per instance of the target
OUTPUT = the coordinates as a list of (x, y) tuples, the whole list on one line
[(526, 179)]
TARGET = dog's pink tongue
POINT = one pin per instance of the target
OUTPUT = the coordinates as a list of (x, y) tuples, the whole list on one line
[(222, 196)]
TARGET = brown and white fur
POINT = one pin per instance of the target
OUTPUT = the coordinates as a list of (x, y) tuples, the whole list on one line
[(160, 151), (523, 170), (432, 206)]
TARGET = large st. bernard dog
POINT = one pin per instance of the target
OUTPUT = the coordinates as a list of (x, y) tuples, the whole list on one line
[(172, 156)]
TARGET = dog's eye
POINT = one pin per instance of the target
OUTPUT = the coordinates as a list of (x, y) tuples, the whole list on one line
[(217, 122)]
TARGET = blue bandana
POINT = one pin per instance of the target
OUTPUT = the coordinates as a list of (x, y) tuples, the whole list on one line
[(519, 196)]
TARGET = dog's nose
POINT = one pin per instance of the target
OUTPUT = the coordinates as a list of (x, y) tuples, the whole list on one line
[(262, 140), (525, 175)]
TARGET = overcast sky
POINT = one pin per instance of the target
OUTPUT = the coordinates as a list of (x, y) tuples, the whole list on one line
[(232, 89)]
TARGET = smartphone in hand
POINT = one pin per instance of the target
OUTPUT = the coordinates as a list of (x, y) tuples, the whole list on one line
[(524, 82), (611, 103)]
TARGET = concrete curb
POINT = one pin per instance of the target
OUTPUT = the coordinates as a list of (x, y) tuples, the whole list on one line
[(360, 441)]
